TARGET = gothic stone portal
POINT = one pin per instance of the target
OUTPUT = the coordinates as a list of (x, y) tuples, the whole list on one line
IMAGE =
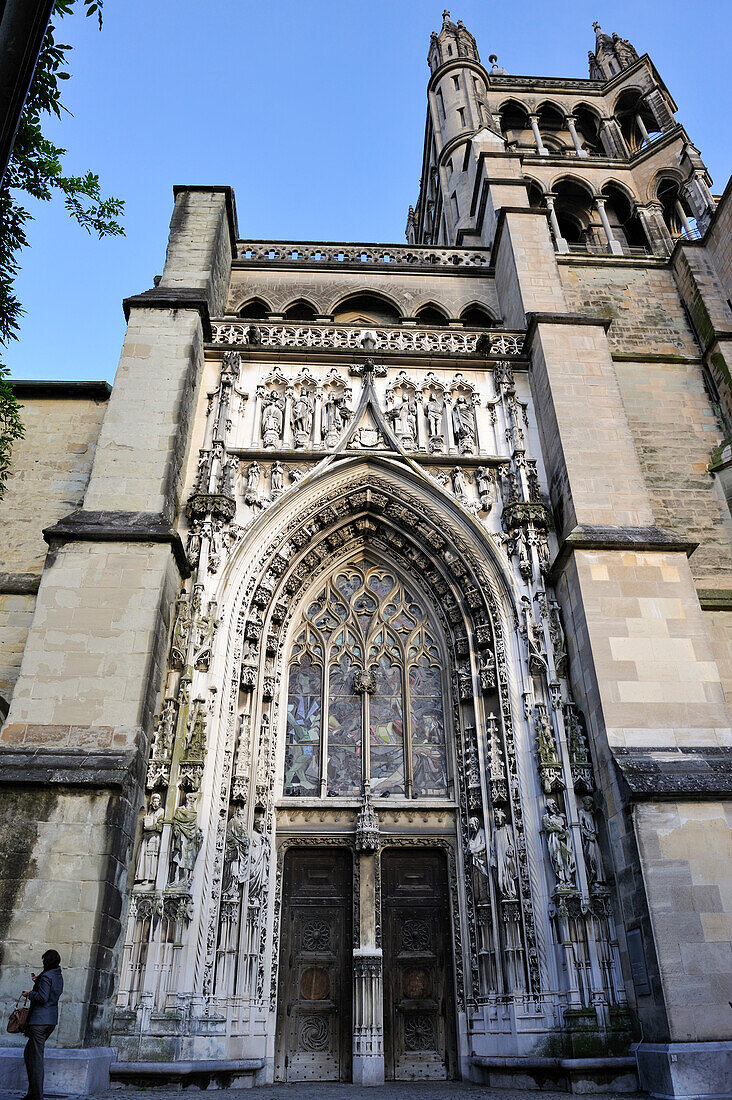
[(314, 1030)]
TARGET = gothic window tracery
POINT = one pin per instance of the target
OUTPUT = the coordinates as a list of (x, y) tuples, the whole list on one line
[(366, 692)]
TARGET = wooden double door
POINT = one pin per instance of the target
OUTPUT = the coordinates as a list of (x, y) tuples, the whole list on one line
[(314, 1019)]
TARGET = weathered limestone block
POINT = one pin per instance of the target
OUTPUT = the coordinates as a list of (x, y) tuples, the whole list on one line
[(201, 243), (64, 866), (657, 681), (594, 474), (144, 438), (95, 648)]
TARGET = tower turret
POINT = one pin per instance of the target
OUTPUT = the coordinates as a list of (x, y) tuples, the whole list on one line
[(459, 125), (612, 54), (454, 40)]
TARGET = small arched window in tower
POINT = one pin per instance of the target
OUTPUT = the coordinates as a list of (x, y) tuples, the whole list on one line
[(553, 129), (441, 102), (255, 309), (476, 317), (430, 315), (588, 129), (677, 213), (578, 221), (366, 309), (456, 83), (461, 116), (515, 125), (455, 207), (536, 195), (636, 120), (624, 220), (300, 311), (365, 692)]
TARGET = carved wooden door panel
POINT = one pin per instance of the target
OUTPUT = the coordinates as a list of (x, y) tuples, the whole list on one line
[(315, 994), (419, 1016)]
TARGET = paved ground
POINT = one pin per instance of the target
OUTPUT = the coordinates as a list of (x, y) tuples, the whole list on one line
[(419, 1090)]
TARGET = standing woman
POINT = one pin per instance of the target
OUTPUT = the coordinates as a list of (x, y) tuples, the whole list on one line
[(42, 1019)]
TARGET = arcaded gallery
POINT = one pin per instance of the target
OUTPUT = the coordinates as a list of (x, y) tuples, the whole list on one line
[(366, 681)]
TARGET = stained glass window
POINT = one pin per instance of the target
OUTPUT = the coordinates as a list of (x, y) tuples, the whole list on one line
[(366, 660)]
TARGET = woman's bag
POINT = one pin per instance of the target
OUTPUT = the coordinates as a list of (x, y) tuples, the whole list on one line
[(18, 1018)]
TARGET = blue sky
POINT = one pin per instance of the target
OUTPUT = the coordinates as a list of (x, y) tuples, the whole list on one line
[(312, 110)]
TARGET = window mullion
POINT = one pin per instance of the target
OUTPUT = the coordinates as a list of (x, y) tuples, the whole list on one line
[(365, 741), (407, 712), (324, 727)]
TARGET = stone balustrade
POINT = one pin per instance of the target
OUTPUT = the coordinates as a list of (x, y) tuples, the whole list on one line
[(359, 255), (420, 341)]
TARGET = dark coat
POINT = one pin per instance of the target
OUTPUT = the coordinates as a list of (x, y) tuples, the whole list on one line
[(46, 991)]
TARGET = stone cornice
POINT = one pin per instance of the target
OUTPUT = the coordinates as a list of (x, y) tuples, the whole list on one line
[(67, 767), (80, 390), (667, 773), (715, 599), (177, 297), (586, 537), (83, 526), (19, 584), (536, 319)]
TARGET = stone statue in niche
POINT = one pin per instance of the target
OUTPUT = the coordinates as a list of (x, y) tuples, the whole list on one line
[(560, 847), (590, 843), (258, 862), (435, 411), (337, 414), (251, 491), (463, 422), (504, 860), (236, 851), (187, 839), (229, 475), (556, 633), (404, 419), (273, 419), (459, 485), (277, 479), (152, 827), (193, 545), (179, 644), (477, 846), (201, 482), (486, 485), (302, 418)]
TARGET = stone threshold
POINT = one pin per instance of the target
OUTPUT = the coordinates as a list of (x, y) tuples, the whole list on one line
[(195, 1072)]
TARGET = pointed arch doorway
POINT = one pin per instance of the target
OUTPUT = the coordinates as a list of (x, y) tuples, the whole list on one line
[(368, 722)]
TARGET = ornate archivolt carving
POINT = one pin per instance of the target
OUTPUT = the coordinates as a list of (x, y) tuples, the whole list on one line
[(421, 562)]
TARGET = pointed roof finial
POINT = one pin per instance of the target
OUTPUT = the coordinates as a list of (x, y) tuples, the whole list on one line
[(445, 15), (596, 27)]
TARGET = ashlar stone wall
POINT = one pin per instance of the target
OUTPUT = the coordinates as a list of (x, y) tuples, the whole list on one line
[(51, 467)]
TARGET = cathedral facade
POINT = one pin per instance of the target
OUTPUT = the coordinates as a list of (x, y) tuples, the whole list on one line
[(367, 651)]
